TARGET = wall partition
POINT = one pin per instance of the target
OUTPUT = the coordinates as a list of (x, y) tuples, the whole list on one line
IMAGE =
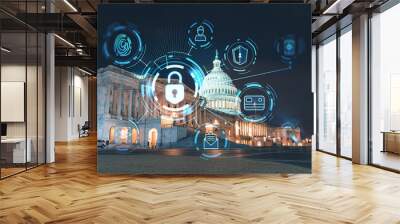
[(22, 100)]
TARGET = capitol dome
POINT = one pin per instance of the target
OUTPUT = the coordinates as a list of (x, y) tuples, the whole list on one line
[(219, 91)]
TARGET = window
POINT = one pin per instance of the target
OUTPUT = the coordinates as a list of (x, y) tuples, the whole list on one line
[(346, 93), (385, 89), (327, 95)]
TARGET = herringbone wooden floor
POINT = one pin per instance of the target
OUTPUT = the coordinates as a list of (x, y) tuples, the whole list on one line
[(70, 191)]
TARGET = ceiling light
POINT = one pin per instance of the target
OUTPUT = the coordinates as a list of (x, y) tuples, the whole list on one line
[(70, 5), (329, 9), (84, 71), (65, 41), (5, 50), (79, 51), (337, 7)]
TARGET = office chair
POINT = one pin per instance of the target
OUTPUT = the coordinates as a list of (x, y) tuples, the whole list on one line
[(84, 130)]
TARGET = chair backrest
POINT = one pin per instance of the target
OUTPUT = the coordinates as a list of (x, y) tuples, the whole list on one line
[(86, 125)]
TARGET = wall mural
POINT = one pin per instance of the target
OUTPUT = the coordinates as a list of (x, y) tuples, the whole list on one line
[(204, 88)]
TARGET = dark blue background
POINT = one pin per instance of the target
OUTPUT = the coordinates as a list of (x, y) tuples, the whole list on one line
[(164, 27)]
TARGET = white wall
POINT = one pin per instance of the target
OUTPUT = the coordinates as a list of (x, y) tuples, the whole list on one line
[(12, 73), (33, 127), (71, 102), (62, 85), (16, 73)]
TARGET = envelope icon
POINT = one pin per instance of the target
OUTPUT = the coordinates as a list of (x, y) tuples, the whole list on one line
[(210, 141)]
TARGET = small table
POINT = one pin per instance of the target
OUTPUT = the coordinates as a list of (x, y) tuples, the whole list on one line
[(13, 150), (391, 141)]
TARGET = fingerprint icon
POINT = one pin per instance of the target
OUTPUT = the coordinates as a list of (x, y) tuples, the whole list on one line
[(122, 45)]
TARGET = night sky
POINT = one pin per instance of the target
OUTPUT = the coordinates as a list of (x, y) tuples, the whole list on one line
[(164, 29)]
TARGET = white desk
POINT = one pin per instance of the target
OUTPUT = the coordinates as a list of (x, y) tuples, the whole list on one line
[(18, 151)]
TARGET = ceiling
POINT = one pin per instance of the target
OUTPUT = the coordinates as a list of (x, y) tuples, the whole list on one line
[(75, 22)]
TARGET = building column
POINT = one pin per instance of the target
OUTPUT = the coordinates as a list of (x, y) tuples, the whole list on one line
[(106, 92), (130, 115), (134, 103), (119, 103), (360, 90), (50, 93)]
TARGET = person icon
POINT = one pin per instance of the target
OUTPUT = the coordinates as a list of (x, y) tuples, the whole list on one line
[(200, 37)]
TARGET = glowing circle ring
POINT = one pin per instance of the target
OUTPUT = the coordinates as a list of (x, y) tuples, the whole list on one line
[(205, 29), (123, 45), (155, 80), (290, 127), (256, 89), (248, 47), (199, 138), (289, 47)]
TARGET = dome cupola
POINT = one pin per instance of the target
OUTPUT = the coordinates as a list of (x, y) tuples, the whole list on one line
[(219, 91)]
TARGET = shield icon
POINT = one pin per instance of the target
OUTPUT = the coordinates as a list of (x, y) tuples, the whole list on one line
[(239, 55)]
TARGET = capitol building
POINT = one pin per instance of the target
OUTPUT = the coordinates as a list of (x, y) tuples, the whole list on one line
[(122, 118), (219, 90)]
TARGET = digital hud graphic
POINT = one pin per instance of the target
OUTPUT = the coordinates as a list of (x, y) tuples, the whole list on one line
[(204, 88)]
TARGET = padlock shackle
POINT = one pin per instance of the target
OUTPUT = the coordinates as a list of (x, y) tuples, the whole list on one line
[(175, 73)]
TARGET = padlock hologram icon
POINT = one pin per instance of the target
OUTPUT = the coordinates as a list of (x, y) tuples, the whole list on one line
[(174, 93)]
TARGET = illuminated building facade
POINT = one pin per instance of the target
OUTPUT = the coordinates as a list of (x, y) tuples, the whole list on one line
[(124, 118)]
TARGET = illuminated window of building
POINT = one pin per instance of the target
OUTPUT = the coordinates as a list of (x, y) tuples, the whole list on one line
[(111, 135), (152, 139), (134, 136), (216, 122), (124, 135), (237, 128), (209, 128)]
